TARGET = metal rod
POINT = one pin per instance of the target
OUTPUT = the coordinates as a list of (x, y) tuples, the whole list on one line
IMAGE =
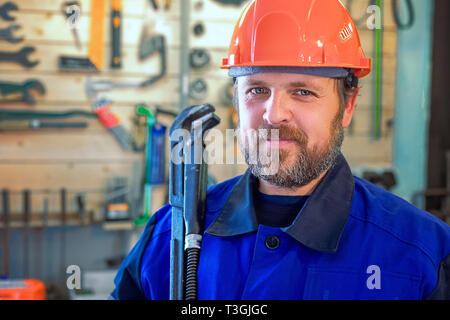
[(6, 212), (63, 231), (184, 54), (26, 224)]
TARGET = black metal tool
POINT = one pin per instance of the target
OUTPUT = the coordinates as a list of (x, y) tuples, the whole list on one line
[(38, 233), (45, 212), (66, 63), (20, 92), (63, 202), (6, 8), (21, 57), (116, 23), (6, 212), (148, 44), (195, 177), (19, 125), (81, 205), (7, 34), (26, 229), (147, 47), (187, 226), (161, 48), (8, 114), (199, 29)]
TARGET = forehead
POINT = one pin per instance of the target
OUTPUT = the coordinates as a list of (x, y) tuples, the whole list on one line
[(286, 80)]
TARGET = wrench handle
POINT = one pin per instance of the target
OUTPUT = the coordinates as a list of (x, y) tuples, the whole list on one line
[(9, 56), (20, 57)]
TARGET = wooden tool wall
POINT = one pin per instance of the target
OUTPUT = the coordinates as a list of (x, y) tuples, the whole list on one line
[(81, 160)]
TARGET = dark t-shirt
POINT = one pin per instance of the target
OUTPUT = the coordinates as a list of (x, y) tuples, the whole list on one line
[(277, 211)]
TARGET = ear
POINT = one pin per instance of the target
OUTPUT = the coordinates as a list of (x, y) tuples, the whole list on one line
[(349, 109)]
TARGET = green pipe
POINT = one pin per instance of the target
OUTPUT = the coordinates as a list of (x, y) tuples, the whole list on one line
[(148, 189), (378, 76)]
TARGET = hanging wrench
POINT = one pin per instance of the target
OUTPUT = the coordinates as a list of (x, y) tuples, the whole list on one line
[(20, 57), (4, 11), (20, 92), (7, 34)]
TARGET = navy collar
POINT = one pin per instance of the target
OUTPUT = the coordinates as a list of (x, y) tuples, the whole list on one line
[(320, 223)]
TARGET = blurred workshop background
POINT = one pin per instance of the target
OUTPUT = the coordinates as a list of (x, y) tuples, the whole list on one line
[(89, 89)]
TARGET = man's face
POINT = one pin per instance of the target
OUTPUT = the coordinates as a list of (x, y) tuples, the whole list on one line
[(305, 109)]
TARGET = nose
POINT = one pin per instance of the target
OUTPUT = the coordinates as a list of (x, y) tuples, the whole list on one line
[(277, 109)]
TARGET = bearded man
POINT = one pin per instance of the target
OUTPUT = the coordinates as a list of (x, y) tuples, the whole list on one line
[(300, 225)]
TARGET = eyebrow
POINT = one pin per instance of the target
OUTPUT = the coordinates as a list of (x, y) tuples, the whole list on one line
[(288, 85)]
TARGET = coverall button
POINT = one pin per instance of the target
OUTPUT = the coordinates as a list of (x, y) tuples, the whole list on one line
[(272, 242)]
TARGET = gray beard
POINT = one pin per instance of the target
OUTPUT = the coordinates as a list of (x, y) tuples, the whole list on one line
[(308, 165)]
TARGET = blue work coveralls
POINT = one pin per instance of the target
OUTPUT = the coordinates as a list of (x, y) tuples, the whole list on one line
[(351, 240)]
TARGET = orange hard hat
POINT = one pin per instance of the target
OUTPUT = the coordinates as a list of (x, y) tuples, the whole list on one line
[(297, 33)]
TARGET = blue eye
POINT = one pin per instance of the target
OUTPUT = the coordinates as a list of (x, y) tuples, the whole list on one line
[(304, 92), (258, 91)]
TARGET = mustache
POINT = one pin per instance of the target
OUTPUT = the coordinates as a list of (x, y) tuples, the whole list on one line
[(287, 133)]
